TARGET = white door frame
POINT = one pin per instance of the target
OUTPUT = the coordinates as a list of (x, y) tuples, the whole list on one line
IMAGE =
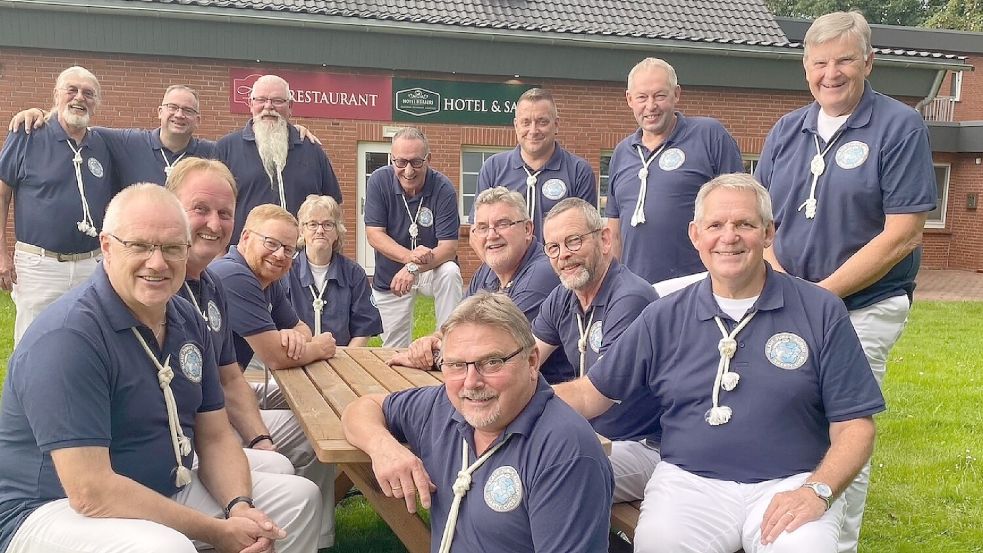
[(365, 252)]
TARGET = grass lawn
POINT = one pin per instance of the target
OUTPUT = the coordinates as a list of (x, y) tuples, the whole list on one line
[(927, 481)]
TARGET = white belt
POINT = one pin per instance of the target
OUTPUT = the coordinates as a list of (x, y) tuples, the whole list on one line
[(36, 250)]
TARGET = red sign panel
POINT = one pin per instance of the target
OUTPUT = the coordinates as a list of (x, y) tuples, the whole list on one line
[(322, 95)]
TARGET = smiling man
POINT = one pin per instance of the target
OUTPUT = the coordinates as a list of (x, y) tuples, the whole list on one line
[(656, 171), (538, 168), (852, 180), (499, 461), (60, 179)]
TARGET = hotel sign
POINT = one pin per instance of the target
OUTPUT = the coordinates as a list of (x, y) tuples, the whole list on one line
[(321, 95), (425, 101)]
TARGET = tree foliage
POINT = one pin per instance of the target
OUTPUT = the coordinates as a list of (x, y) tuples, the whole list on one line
[(964, 15), (888, 12)]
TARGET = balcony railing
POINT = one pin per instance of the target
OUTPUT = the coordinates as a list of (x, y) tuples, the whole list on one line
[(942, 108)]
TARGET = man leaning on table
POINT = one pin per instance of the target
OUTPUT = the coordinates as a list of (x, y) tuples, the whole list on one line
[(502, 464)]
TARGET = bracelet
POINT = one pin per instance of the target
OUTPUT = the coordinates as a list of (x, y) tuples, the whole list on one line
[(234, 502), (258, 439)]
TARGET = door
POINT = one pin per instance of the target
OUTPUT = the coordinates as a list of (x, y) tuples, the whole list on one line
[(371, 156)]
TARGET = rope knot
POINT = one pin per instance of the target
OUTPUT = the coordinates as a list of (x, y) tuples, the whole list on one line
[(729, 381), (727, 347), (184, 445), (462, 484), (183, 476), (719, 415), (164, 376)]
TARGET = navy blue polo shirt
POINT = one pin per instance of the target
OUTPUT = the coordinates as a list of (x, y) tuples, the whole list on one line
[(621, 298), (698, 150), (251, 309), (139, 155), (39, 169), (881, 164), (207, 296), (438, 219), (308, 171), (79, 378), (564, 176), (532, 282), (548, 488), (348, 310), (800, 363)]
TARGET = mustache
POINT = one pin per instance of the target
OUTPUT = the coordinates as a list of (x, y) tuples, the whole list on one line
[(477, 394)]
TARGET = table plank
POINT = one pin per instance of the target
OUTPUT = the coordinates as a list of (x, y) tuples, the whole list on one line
[(408, 527), (317, 418), (356, 377), (380, 370)]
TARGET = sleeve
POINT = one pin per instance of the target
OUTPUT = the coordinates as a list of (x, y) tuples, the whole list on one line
[(68, 388), (544, 325), (530, 297), (728, 154), (586, 184), (376, 206), (566, 518), (329, 182), (625, 367), (221, 151), (766, 163), (408, 413), (612, 209), (364, 318), (448, 219), (908, 176), (283, 312), (248, 313), (12, 158), (848, 387), (620, 315), (117, 140)]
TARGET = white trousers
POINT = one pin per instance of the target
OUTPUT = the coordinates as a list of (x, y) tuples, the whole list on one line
[(40, 281), (443, 283), (686, 513), (633, 463), (879, 327), (293, 503)]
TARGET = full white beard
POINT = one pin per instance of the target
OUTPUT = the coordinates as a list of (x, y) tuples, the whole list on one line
[(74, 119), (272, 141)]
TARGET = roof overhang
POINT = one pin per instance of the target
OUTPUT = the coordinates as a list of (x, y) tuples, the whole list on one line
[(964, 137)]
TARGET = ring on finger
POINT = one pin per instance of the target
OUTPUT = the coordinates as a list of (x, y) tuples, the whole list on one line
[(790, 513)]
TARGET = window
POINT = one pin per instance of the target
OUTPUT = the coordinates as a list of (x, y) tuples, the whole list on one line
[(936, 217), (750, 164), (956, 86), (471, 162), (602, 182)]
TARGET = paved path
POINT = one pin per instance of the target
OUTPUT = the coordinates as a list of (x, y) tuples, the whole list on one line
[(949, 285)]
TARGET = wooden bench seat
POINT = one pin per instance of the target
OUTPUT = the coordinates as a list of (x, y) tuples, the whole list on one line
[(624, 518)]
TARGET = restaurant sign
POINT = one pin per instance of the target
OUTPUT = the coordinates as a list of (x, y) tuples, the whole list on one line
[(425, 101), (321, 95)]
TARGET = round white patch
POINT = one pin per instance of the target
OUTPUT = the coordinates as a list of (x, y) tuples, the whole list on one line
[(503, 490), (214, 316), (426, 217), (554, 189), (191, 362), (671, 159), (786, 351), (594, 336), (95, 167), (852, 154)]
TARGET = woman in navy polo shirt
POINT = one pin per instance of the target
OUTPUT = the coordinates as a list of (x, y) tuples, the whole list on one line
[(329, 291)]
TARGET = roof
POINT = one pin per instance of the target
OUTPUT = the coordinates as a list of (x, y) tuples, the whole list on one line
[(910, 41)]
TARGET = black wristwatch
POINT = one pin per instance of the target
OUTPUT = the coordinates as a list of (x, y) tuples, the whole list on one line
[(234, 502)]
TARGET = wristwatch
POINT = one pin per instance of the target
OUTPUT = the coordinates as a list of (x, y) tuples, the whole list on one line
[(412, 268), (822, 490)]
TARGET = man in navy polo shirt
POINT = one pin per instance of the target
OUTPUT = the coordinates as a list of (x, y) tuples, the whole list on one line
[(501, 463), (271, 162), (581, 319), (105, 398), (513, 263), (412, 222), (538, 168), (766, 396), (674, 155), (60, 179), (852, 180)]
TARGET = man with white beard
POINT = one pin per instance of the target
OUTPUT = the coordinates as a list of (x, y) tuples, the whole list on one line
[(61, 179), (272, 164)]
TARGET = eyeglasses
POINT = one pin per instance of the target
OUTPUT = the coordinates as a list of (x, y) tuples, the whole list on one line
[(314, 225), (145, 250), (416, 163), (73, 91), (573, 243), (261, 101), (174, 108), (482, 229), (458, 370), (273, 245)]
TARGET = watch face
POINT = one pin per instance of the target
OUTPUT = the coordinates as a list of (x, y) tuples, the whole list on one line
[(824, 490)]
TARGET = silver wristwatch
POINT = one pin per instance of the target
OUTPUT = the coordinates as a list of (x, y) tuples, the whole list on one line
[(822, 490), (412, 268)]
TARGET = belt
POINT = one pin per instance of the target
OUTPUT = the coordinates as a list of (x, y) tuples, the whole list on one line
[(29, 248)]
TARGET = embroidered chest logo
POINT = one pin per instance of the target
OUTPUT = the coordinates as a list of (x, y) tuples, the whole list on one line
[(214, 317), (852, 154), (786, 351), (595, 336), (425, 218), (554, 189), (671, 159), (503, 490), (95, 167), (191, 362)]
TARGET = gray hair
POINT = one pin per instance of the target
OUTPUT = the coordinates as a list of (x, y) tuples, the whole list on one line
[(501, 195), (835, 25), (492, 310), (739, 182), (330, 205), (649, 64), (142, 191), (274, 79), (76, 70), (589, 212), (539, 95), (413, 133)]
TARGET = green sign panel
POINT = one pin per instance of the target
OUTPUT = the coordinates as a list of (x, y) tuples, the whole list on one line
[(455, 102)]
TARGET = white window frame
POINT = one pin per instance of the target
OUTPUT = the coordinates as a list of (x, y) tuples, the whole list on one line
[(602, 195), (754, 159), (486, 151), (943, 197), (957, 85)]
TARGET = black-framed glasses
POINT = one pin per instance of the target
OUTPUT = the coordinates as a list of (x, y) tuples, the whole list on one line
[(174, 108), (573, 243), (416, 163), (326, 225), (73, 91), (273, 245), (261, 101), (482, 229), (144, 250), (458, 370)]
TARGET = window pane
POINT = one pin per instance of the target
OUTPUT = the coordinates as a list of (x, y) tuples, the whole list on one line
[(602, 183), (936, 217), (471, 162)]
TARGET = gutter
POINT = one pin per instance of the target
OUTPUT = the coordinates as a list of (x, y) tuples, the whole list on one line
[(933, 92)]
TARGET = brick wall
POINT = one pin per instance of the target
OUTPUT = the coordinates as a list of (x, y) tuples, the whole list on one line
[(970, 106)]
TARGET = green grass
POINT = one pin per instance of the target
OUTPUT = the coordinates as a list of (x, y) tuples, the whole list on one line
[(926, 483)]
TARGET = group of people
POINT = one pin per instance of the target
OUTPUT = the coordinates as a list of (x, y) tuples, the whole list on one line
[(738, 404)]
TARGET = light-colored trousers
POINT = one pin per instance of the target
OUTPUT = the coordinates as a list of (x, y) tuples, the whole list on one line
[(443, 283), (40, 281), (633, 463)]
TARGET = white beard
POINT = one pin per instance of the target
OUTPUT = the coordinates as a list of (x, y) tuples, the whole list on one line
[(74, 119), (272, 141)]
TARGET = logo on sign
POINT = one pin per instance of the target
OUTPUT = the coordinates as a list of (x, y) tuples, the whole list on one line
[(418, 101), (242, 88)]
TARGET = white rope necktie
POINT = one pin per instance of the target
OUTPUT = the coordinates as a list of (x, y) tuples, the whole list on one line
[(531, 190), (461, 487), (180, 442), (582, 342), (194, 301), (414, 229), (168, 164), (318, 305), (86, 226), (638, 217), (720, 414), (817, 167)]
